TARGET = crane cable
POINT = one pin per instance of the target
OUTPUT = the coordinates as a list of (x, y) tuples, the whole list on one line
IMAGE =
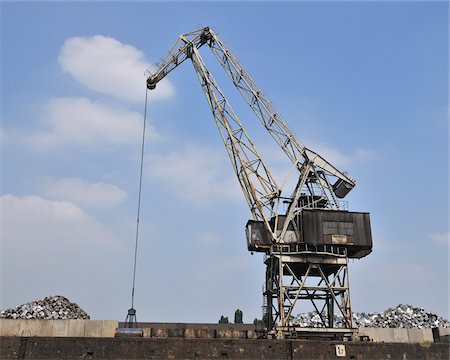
[(139, 200)]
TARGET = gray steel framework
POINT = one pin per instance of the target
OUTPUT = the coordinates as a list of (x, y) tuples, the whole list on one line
[(296, 275), (289, 272)]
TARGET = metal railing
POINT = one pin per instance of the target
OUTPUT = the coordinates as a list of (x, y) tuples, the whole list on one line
[(303, 248)]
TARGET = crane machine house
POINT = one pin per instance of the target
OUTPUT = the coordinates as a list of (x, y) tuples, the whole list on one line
[(308, 244)]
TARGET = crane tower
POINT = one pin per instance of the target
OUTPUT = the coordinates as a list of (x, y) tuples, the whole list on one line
[(306, 246)]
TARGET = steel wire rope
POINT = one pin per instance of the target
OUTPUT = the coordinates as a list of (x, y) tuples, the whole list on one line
[(139, 199)]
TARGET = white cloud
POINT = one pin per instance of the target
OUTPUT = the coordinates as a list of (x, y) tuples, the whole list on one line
[(442, 239), (195, 173), (92, 195), (334, 156), (203, 174), (286, 174), (35, 225), (337, 158), (9, 136), (53, 247), (208, 238), (3, 136), (106, 65), (80, 121)]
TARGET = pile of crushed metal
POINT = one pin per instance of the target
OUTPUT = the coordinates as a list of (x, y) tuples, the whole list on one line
[(401, 316), (51, 307)]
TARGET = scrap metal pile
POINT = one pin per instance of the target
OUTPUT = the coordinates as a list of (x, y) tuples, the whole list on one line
[(51, 307), (401, 316)]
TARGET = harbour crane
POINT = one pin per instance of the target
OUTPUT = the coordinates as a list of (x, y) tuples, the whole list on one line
[(307, 244)]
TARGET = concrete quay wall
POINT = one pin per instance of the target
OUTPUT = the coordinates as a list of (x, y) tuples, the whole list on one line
[(107, 329), (398, 335), (58, 328), (153, 348)]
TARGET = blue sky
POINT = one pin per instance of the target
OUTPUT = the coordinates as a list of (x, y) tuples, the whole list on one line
[(363, 83)]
